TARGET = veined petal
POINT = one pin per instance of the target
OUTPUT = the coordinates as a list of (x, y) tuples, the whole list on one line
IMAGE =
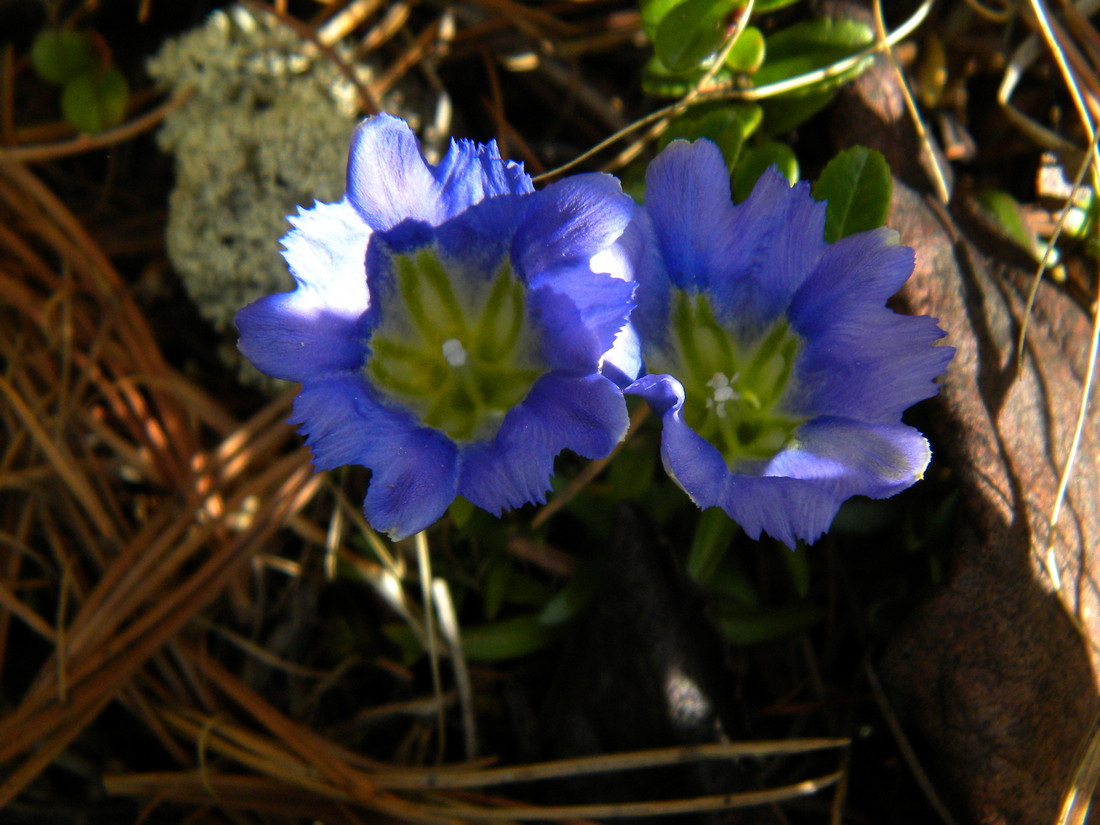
[(287, 340), (861, 269), (780, 232), (413, 468), (785, 508), (474, 172), (688, 200), (854, 458), (570, 222), (389, 181), (585, 414), (413, 482), (317, 328), (579, 313), (871, 364)]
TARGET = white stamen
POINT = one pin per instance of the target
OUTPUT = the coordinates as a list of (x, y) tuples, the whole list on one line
[(723, 392), (453, 352)]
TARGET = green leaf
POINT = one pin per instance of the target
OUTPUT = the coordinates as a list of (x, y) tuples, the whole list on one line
[(768, 6), (95, 101), (659, 81), (802, 48), (747, 53), (811, 45), (507, 639), (713, 535), (756, 160), (653, 11), (1005, 211), (856, 185), (59, 56), (690, 32), (578, 592), (797, 562), (727, 124)]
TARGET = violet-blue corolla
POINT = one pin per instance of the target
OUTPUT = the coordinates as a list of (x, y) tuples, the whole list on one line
[(453, 329), (778, 371)]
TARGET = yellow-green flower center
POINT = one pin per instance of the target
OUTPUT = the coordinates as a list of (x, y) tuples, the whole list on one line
[(454, 347), (735, 389)]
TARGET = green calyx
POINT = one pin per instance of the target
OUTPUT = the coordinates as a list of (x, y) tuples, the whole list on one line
[(735, 389), (454, 347)]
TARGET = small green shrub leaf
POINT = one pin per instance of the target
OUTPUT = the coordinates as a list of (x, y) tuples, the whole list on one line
[(727, 124), (95, 101), (713, 534), (690, 32), (754, 161), (59, 56), (856, 185), (747, 54), (802, 48)]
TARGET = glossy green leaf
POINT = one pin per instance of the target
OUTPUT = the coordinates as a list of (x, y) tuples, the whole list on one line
[(713, 534), (811, 45), (803, 48), (754, 161), (95, 101), (659, 81), (59, 56), (727, 124), (856, 185), (747, 54), (653, 11), (690, 32)]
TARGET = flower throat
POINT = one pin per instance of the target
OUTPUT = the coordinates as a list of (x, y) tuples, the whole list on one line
[(455, 348), (734, 389)]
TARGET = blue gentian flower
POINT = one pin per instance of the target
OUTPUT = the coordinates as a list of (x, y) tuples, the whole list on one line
[(779, 374), (452, 327)]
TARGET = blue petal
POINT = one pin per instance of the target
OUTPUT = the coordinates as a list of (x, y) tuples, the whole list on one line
[(578, 313), (569, 222), (688, 199), (786, 508), (586, 415), (854, 458), (413, 468), (869, 364), (861, 269), (390, 183), (317, 328), (650, 316), (751, 257), (413, 481), (480, 238), (780, 235), (472, 172)]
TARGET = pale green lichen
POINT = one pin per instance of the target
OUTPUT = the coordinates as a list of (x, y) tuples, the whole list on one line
[(267, 129)]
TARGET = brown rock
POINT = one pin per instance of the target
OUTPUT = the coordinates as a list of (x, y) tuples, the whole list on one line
[(993, 672)]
